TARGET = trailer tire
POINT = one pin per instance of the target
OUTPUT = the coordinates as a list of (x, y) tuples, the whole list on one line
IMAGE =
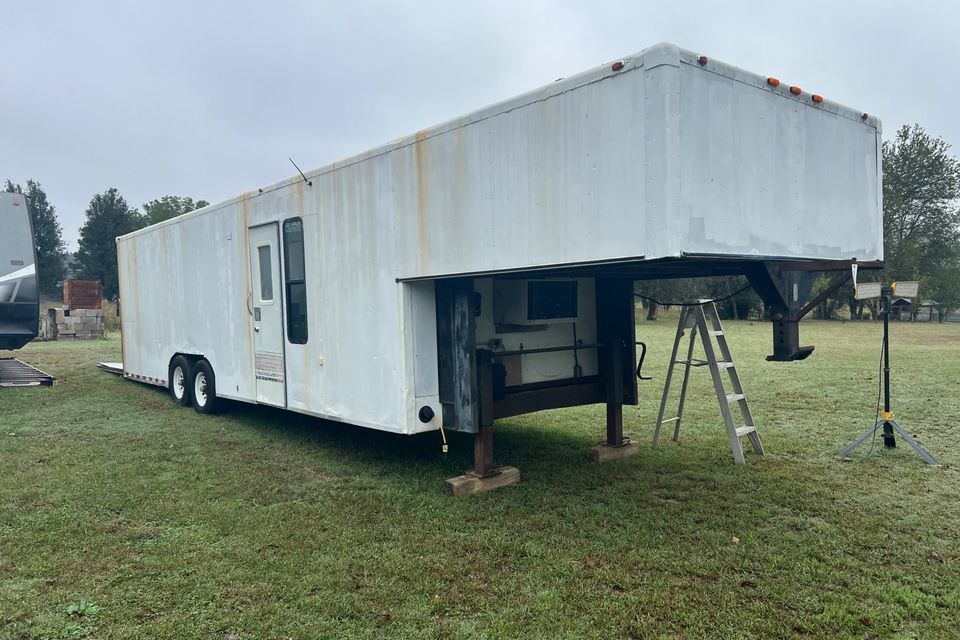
[(180, 377), (204, 388)]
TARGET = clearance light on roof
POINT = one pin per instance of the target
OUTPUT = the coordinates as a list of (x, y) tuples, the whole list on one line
[(702, 59), (864, 115), (816, 98), (795, 90), (616, 66), (773, 82)]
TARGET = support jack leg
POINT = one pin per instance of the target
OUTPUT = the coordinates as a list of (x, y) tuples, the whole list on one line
[(485, 475), (889, 428), (616, 446)]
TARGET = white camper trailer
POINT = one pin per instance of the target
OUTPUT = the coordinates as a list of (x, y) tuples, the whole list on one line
[(19, 295), (484, 267)]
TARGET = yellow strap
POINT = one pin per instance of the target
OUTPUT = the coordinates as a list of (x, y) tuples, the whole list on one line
[(443, 435)]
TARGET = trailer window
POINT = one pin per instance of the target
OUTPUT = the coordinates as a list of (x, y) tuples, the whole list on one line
[(295, 279), (551, 299), (266, 273)]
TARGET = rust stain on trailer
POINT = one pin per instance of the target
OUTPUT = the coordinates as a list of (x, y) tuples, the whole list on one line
[(459, 163), (419, 147), (135, 267), (244, 215), (298, 198)]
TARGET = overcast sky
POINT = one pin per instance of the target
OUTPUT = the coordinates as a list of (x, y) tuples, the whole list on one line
[(208, 99)]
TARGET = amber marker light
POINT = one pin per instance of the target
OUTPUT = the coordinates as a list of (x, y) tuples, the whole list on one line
[(816, 98), (773, 82), (795, 90)]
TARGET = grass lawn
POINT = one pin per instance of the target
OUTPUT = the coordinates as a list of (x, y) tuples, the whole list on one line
[(123, 515)]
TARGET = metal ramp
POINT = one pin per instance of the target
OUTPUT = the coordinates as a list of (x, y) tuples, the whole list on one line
[(14, 373), (111, 367), (701, 317)]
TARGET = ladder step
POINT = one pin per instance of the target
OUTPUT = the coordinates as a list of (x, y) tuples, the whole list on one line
[(673, 419), (742, 431), (694, 362), (735, 397), (714, 333), (702, 363)]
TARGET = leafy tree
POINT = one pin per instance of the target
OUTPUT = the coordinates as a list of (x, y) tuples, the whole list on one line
[(108, 216), (665, 291), (47, 235), (943, 288), (169, 207), (921, 221), (737, 299), (830, 307), (736, 302)]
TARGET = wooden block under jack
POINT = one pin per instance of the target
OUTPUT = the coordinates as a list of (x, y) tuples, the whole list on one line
[(467, 483), (606, 453)]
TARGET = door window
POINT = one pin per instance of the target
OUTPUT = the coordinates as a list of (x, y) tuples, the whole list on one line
[(266, 273)]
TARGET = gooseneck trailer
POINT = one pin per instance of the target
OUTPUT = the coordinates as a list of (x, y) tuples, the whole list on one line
[(485, 267), (19, 295)]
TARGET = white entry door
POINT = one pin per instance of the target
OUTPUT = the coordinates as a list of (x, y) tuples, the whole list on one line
[(267, 314)]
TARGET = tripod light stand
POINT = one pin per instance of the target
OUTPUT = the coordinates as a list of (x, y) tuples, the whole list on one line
[(890, 427)]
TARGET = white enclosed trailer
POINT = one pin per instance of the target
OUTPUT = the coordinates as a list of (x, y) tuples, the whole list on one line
[(484, 267)]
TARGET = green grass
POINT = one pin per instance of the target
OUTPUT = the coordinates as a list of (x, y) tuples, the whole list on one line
[(125, 516)]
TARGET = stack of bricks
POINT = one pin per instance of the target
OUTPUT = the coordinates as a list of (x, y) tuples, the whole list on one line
[(81, 317), (75, 324)]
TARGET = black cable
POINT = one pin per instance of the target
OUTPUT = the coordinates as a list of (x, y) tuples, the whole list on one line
[(691, 304), (876, 420)]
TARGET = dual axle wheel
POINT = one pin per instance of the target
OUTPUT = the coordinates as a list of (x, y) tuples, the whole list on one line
[(193, 383)]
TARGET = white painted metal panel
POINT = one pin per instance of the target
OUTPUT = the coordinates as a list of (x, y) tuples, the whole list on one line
[(183, 289), (420, 340), (765, 174), (424, 326)]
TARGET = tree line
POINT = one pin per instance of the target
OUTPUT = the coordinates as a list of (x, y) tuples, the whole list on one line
[(921, 237), (107, 217)]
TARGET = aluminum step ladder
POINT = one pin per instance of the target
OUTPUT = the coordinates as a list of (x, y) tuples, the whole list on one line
[(700, 316)]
